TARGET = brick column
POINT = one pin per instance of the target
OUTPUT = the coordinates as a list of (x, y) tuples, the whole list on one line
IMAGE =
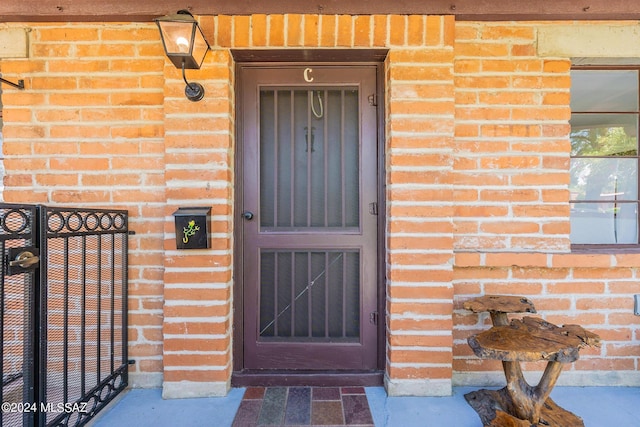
[(197, 283), (419, 163)]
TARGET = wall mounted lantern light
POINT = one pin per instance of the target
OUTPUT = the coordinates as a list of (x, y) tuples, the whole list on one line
[(185, 46)]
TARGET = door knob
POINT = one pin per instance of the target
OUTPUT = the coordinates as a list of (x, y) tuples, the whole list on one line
[(248, 215)]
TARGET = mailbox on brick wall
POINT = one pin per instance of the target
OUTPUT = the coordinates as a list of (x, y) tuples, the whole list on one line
[(192, 227)]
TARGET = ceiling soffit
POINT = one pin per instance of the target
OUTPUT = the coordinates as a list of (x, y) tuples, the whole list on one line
[(464, 10)]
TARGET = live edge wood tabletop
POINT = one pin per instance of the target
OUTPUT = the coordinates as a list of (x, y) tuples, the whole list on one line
[(524, 340)]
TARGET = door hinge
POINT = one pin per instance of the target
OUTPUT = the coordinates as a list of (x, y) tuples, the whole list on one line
[(373, 317), (373, 208), (372, 100)]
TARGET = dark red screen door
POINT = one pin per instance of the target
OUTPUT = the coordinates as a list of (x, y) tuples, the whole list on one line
[(309, 217)]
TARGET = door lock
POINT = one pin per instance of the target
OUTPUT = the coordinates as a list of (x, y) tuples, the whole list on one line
[(22, 259), (248, 215)]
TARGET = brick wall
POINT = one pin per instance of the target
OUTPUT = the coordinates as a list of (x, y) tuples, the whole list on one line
[(89, 130), (476, 173), (512, 112), (512, 206)]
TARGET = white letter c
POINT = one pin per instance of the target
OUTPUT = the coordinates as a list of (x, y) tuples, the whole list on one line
[(307, 77)]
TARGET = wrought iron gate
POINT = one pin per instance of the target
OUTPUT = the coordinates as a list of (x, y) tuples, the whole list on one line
[(63, 294)]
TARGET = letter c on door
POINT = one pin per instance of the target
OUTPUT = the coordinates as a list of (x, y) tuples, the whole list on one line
[(307, 77)]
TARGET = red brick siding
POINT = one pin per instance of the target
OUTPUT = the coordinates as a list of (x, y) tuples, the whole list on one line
[(512, 210), (476, 174), (88, 130)]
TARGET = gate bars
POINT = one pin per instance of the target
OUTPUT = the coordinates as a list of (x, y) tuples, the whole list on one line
[(18, 225), (72, 319)]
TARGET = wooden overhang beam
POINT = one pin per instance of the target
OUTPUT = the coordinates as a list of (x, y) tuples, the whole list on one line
[(464, 10)]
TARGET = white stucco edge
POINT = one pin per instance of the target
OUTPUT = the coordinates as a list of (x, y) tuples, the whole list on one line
[(14, 43), (189, 389), (422, 387), (145, 379), (616, 40), (566, 379)]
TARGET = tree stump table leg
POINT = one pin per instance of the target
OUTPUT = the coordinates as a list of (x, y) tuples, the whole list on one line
[(520, 393), (499, 318), (549, 379), (528, 400)]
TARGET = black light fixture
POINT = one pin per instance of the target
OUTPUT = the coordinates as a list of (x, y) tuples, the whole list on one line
[(19, 85), (185, 46)]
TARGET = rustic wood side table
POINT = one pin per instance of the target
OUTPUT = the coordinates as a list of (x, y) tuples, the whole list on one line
[(526, 340)]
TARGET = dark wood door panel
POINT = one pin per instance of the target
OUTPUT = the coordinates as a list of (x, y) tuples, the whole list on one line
[(309, 147)]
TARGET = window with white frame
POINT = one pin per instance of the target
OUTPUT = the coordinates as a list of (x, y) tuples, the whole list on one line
[(604, 156)]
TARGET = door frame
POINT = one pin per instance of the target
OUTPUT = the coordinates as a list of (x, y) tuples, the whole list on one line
[(298, 57)]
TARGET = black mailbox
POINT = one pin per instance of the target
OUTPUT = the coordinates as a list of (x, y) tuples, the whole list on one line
[(192, 228)]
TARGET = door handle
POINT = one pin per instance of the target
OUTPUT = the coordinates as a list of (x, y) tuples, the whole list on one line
[(25, 259), (248, 215)]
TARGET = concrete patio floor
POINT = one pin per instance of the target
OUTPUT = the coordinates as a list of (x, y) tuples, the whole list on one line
[(598, 407)]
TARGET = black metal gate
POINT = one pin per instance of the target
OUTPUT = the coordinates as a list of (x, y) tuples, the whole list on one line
[(63, 293)]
